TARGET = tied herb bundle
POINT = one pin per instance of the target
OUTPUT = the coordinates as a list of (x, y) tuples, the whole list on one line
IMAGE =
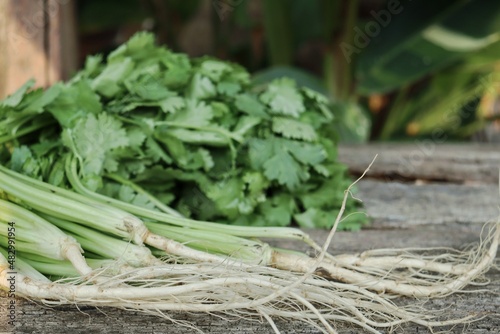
[(193, 137)]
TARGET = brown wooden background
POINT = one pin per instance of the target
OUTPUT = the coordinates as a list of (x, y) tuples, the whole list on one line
[(37, 40)]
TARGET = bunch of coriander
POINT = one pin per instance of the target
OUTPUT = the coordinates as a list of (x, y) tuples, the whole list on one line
[(156, 128)]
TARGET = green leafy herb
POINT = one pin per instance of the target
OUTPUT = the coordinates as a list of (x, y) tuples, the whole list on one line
[(150, 126)]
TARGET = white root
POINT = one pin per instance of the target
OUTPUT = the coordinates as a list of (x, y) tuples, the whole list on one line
[(383, 279), (205, 288), (73, 253)]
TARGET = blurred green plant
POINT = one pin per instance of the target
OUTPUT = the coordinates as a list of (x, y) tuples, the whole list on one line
[(392, 69), (431, 61)]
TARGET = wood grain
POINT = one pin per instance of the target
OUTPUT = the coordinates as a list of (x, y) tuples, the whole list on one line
[(37, 40), (426, 160)]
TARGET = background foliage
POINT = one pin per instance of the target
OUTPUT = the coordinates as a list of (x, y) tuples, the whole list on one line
[(394, 69)]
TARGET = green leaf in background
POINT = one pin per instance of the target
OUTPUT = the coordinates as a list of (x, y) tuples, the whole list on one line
[(424, 37), (303, 78)]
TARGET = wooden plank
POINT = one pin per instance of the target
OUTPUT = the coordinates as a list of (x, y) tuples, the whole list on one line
[(37, 40), (62, 37), (402, 205), (23, 55), (3, 45), (426, 160)]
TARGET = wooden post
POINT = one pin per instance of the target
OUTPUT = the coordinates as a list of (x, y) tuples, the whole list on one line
[(37, 40)]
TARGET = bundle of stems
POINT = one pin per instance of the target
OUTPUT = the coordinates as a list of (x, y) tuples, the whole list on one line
[(156, 262)]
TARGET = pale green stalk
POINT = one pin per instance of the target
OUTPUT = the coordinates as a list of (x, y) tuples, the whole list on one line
[(241, 231), (21, 266), (90, 213), (105, 245)]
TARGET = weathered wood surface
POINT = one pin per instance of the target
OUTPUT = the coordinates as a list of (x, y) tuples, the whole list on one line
[(37, 40), (427, 160), (411, 214)]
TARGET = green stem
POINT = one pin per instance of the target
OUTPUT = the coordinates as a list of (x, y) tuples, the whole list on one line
[(138, 189), (222, 132), (242, 231), (26, 130), (109, 247), (61, 204), (395, 115), (61, 269), (26, 269), (337, 67), (278, 31)]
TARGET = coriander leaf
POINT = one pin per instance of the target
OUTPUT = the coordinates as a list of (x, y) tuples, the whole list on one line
[(92, 181), (57, 174), (322, 170), (127, 194), (172, 104), (74, 102), (219, 109), (108, 82), (211, 138), (227, 196), (137, 44), (201, 87), (290, 128), (149, 89), (313, 119), (283, 98), (92, 66), (196, 113), (135, 136), (259, 151), (245, 124), (256, 184), (277, 211), (177, 76), (314, 95), (327, 194), (228, 88), (44, 147), (279, 158), (93, 137), (214, 69), (22, 161), (45, 98), (194, 202), (208, 162), (306, 153), (16, 98), (284, 169), (250, 105), (156, 152), (175, 147), (315, 218)]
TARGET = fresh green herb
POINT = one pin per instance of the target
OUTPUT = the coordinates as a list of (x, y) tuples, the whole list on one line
[(154, 128)]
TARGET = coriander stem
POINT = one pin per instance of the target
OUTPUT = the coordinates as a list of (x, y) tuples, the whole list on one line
[(242, 231), (25, 131), (222, 132), (140, 190)]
